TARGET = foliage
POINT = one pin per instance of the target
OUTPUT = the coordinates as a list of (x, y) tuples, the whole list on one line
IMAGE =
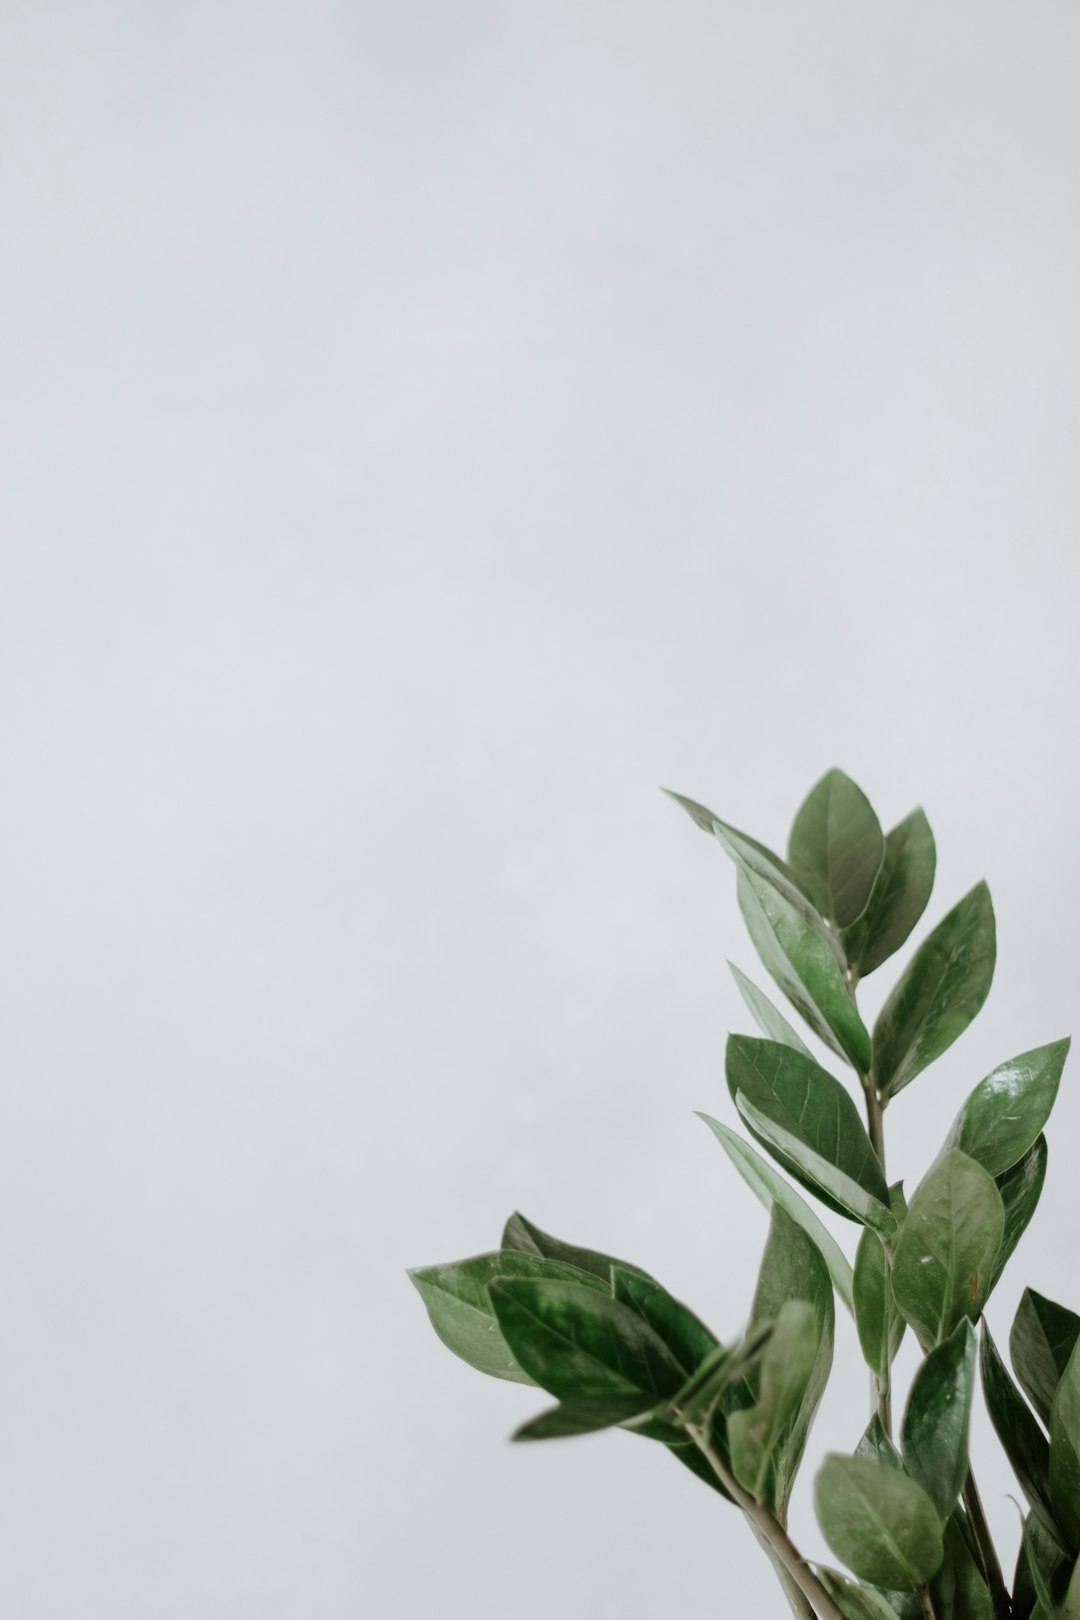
[(616, 1350)]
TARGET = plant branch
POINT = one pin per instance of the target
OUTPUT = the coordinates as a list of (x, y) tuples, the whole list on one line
[(770, 1529), (999, 1592), (923, 1595)]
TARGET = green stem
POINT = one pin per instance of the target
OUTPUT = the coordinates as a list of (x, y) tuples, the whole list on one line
[(770, 1529)]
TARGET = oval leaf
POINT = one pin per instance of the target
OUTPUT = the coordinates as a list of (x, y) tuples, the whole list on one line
[(685, 1335), (947, 1247), (1020, 1189), (588, 1415), (1006, 1112), (934, 1437), (832, 1186), (877, 1321), (898, 899), (836, 848), (755, 1432), (523, 1236), (772, 1024), (854, 1602), (1023, 1441), (938, 995), (1043, 1338), (879, 1522)]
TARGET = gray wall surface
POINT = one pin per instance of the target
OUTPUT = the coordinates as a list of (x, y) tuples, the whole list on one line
[(427, 428)]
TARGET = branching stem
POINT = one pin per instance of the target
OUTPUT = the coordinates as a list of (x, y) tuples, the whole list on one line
[(923, 1595)]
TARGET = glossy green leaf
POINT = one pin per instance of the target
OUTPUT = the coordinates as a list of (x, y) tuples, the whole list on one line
[(460, 1310), (522, 1235), (772, 1024), (771, 1188), (1006, 1112), (1020, 1189), (959, 1591), (792, 1268), (1038, 1573), (831, 1185), (804, 963), (1041, 1567), (803, 1099), (1022, 1440), (759, 858), (947, 1247), (938, 995), (836, 848), (854, 1602), (934, 1436), (877, 1321), (898, 899), (877, 1447), (587, 1415), (686, 1336), (879, 1522), (575, 1341), (1065, 1452), (755, 1432), (1043, 1338)]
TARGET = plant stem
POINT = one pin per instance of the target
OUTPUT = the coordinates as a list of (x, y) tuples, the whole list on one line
[(999, 1592), (770, 1530), (875, 1120), (923, 1595)]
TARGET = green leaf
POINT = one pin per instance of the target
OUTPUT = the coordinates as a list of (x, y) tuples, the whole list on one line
[(1006, 1112), (1022, 1440), (898, 899), (1065, 1452), (1020, 1189), (786, 1369), (771, 1023), (938, 995), (854, 1602), (1038, 1576), (947, 1246), (1043, 1337), (460, 1310), (771, 1188), (720, 1370), (836, 848), (877, 1447), (879, 1522), (791, 1269), (803, 1099), (1070, 1607), (831, 1185), (587, 1415), (934, 1436), (958, 1591), (804, 963), (759, 858), (575, 1341), (686, 1336), (1040, 1567), (877, 1321), (522, 1235)]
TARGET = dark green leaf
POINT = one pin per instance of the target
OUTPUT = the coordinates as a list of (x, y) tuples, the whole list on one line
[(877, 1447), (899, 896), (854, 1602), (959, 1591), (836, 848), (1020, 1189), (771, 1023), (771, 1188), (759, 858), (804, 1099), (1023, 1441), (804, 963), (1065, 1452), (879, 1324), (720, 1370), (1037, 1571), (879, 1522), (947, 1247), (522, 1235), (685, 1335), (785, 1371), (1006, 1112), (575, 1341), (831, 1185), (1070, 1605), (460, 1310), (584, 1416), (938, 995), (934, 1436), (1043, 1337)]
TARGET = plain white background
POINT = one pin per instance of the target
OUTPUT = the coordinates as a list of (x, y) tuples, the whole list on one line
[(427, 428)]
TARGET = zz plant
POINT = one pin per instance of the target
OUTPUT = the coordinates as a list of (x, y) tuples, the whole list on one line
[(901, 1511)]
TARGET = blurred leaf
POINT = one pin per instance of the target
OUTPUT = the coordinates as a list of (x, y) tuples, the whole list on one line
[(575, 1341), (803, 1099), (877, 1447), (899, 896), (836, 848), (460, 1310), (685, 1335), (934, 1436), (804, 963), (947, 1246), (1020, 1189), (771, 1023), (1043, 1337), (939, 993), (771, 1188), (854, 1602), (587, 1415), (522, 1235), (1065, 1452), (755, 1433), (958, 1591), (1006, 1112), (877, 1321), (1023, 1441), (879, 1522)]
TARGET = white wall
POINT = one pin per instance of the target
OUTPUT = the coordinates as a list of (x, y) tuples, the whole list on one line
[(430, 426)]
